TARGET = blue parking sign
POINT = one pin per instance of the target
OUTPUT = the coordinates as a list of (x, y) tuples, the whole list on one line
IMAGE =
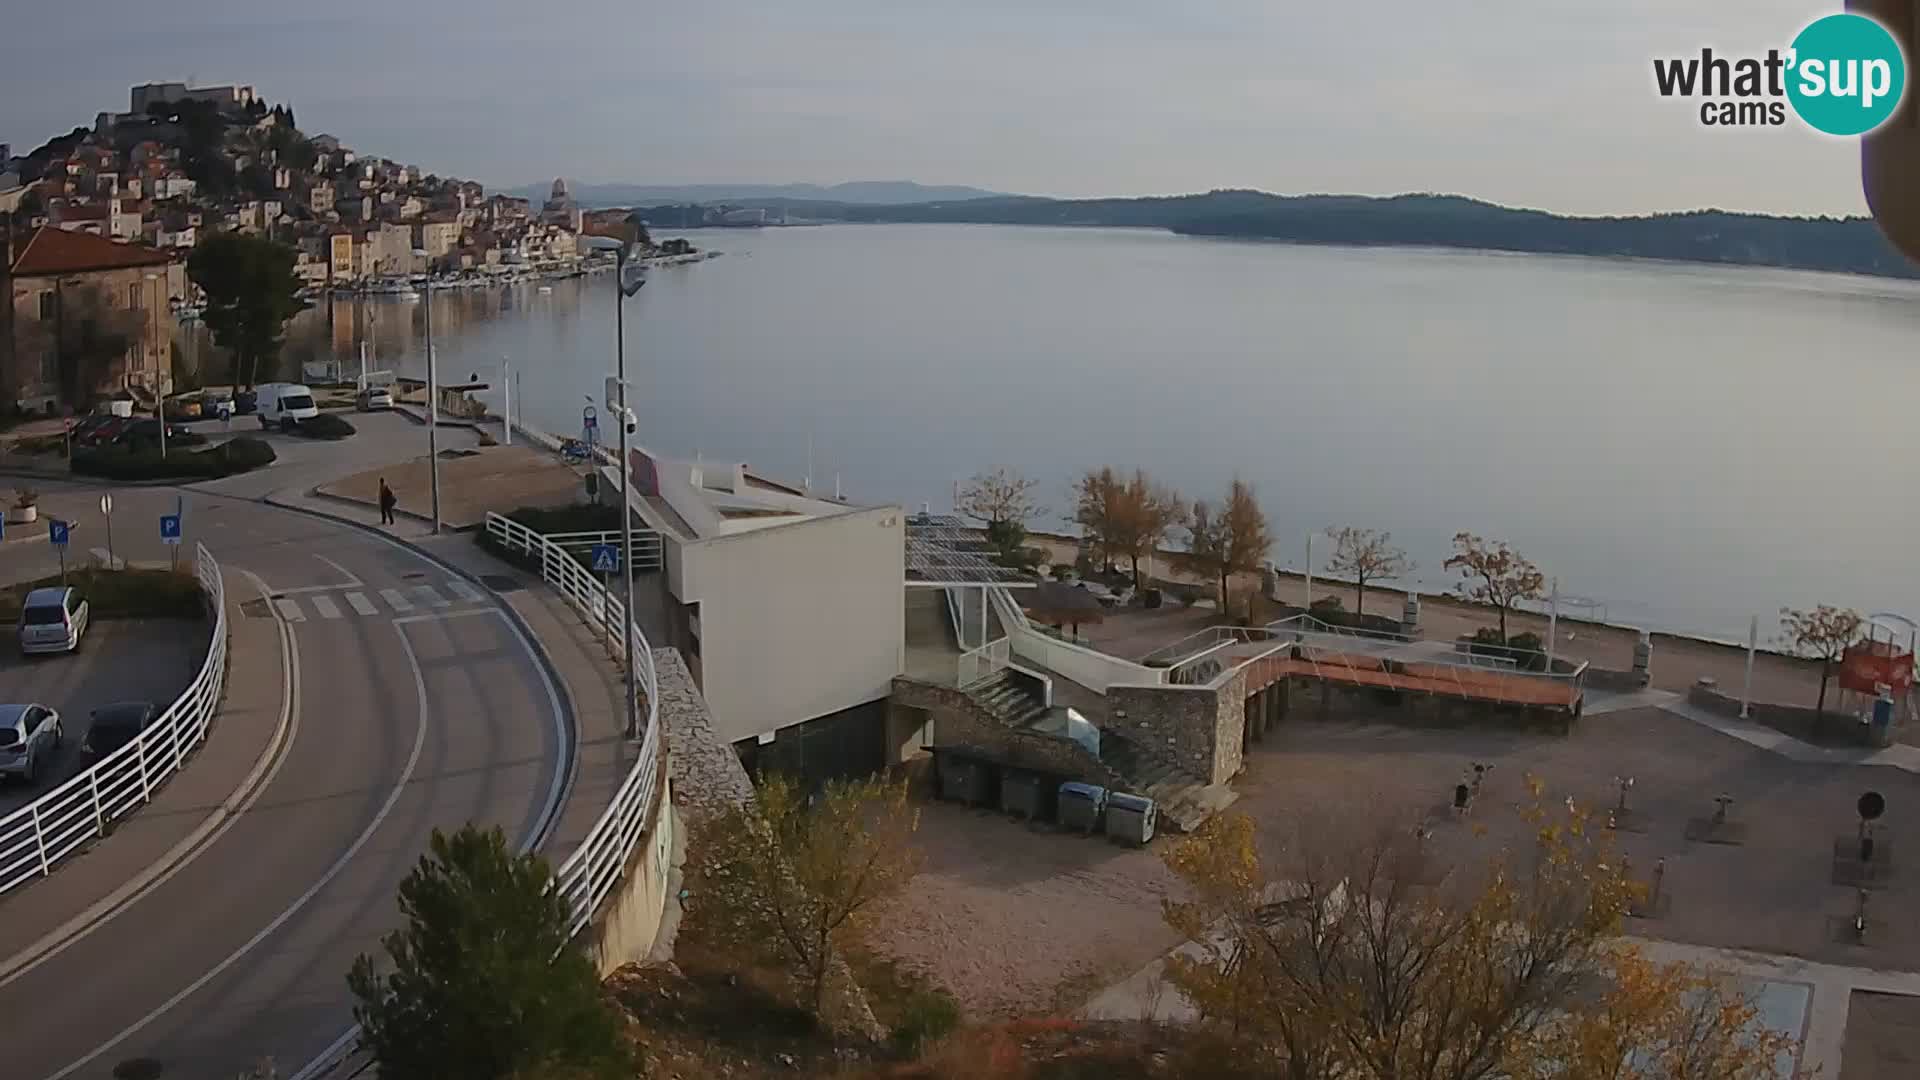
[(169, 528), (57, 532), (606, 558)]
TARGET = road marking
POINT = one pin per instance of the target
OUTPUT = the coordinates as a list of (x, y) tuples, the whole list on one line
[(352, 582), (386, 808), (290, 609), (325, 606), (197, 843), (465, 591), (396, 601), (428, 596), (359, 603)]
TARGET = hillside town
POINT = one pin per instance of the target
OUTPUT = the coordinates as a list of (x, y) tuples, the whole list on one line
[(113, 210)]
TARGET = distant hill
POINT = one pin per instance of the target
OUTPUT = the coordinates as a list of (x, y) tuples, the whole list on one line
[(857, 192), (1844, 245)]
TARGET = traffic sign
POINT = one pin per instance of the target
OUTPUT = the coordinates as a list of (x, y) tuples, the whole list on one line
[(57, 532), (589, 418), (606, 558), (169, 528), (106, 503)]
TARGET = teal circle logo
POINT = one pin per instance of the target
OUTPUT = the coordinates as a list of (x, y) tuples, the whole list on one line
[(1846, 74)]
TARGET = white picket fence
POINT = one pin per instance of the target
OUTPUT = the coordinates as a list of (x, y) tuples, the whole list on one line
[(34, 838), (594, 868)]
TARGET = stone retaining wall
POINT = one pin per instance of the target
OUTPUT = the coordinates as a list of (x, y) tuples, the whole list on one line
[(1200, 729)]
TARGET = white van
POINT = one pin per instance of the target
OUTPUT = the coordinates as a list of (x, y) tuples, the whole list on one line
[(281, 404)]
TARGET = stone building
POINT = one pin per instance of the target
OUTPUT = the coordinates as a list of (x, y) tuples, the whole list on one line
[(48, 279)]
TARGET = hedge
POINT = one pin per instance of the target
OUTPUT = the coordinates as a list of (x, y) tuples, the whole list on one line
[(233, 456), (119, 594), (324, 426)]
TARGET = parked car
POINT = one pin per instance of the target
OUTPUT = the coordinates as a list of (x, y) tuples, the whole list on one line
[(373, 397), (29, 736), (144, 434), (88, 428), (283, 404), (53, 620), (114, 726)]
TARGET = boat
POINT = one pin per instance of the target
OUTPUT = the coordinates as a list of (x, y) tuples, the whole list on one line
[(546, 288)]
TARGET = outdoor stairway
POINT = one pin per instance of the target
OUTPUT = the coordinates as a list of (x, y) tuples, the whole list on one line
[(1009, 697), (1185, 801)]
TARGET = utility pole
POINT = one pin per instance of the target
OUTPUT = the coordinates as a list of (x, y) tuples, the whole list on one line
[(626, 496), (433, 403)]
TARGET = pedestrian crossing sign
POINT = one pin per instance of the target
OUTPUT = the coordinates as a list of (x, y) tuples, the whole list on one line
[(606, 558)]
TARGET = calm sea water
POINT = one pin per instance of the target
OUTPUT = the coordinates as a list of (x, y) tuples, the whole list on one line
[(1689, 445)]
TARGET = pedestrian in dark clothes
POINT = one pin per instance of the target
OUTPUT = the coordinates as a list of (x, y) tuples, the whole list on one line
[(387, 502)]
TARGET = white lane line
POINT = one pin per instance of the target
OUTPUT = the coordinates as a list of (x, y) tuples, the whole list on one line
[(396, 601), (360, 604), (464, 591), (290, 609), (386, 808), (428, 596), (324, 604), (351, 582), (565, 771), (202, 839)]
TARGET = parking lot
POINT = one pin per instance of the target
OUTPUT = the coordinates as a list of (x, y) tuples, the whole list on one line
[(120, 660)]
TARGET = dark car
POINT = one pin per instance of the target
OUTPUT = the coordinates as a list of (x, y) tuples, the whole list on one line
[(144, 434), (105, 432), (85, 427), (114, 726)]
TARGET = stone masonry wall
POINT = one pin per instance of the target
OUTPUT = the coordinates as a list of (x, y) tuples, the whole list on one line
[(1199, 728)]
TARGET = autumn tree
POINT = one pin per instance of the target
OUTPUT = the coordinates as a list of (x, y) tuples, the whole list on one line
[(250, 287), (1366, 555), (795, 874), (1232, 538), (1129, 518), (1822, 634), (1343, 959), (1493, 573), (484, 980)]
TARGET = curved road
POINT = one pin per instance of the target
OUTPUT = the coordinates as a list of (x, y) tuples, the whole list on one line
[(415, 704)]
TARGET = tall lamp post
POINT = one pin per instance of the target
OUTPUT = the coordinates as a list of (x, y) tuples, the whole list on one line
[(433, 398), (622, 289)]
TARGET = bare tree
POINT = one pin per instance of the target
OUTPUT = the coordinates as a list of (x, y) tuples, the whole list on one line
[(1002, 496), (1230, 539), (1366, 555), (1822, 634), (1494, 574)]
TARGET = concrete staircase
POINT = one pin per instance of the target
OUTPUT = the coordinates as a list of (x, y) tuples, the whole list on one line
[(1185, 800)]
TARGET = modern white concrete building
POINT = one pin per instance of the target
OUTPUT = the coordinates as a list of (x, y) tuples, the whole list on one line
[(789, 607)]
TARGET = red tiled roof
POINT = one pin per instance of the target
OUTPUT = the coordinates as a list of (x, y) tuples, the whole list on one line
[(57, 251)]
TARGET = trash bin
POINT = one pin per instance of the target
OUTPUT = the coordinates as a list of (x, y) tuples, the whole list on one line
[(1130, 818), (1081, 805), (962, 779), (1025, 794)]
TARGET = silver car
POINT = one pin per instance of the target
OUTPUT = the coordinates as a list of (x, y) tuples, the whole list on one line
[(52, 620), (29, 737)]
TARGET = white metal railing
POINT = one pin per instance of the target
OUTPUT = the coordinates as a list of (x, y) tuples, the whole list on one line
[(38, 835), (981, 663), (594, 868), (647, 548)]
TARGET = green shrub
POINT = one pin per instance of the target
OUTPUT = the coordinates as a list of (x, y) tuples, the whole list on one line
[(234, 456), (1061, 570), (119, 594), (324, 426), (1527, 651), (926, 1016)]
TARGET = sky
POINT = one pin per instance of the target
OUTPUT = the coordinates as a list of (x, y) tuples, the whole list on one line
[(1536, 103)]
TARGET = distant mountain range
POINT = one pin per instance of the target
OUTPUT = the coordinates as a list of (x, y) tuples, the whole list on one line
[(1850, 245), (858, 192)]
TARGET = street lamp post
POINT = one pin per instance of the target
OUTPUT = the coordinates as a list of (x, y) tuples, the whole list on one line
[(623, 417), (433, 402)]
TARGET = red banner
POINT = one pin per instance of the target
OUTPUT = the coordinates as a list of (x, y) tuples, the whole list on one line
[(1869, 665)]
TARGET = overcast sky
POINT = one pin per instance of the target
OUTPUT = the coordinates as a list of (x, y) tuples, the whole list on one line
[(1539, 103)]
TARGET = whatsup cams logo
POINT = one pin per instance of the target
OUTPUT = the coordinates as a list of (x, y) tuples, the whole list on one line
[(1843, 75)]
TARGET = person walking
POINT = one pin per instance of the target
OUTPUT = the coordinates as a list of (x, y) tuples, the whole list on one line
[(387, 502)]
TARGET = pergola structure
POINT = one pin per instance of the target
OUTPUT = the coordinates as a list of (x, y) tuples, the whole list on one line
[(943, 552)]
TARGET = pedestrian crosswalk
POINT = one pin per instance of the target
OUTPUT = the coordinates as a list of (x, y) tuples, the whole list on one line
[(407, 601)]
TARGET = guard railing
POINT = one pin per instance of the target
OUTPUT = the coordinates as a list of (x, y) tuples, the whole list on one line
[(594, 868), (34, 838)]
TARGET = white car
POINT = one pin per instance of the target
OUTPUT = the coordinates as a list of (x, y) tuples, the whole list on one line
[(373, 397), (29, 737), (53, 620)]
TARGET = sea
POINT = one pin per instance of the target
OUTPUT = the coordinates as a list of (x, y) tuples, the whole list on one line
[(1679, 447)]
